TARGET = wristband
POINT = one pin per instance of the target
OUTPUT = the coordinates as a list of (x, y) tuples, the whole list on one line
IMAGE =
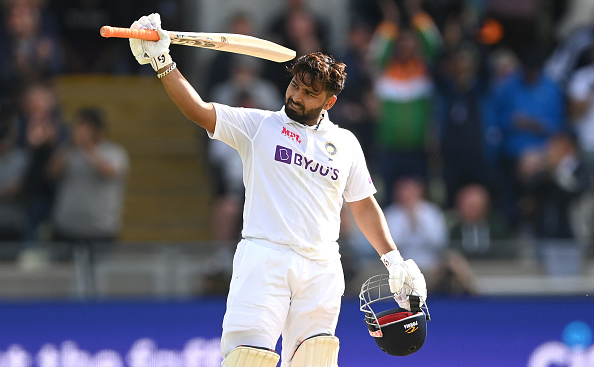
[(160, 61), (169, 70), (392, 257)]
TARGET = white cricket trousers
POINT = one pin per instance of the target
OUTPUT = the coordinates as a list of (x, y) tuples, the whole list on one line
[(275, 291)]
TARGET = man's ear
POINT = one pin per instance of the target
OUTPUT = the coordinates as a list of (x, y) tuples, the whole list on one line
[(330, 102)]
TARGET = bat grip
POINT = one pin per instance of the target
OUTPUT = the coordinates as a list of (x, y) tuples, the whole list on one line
[(143, 34)]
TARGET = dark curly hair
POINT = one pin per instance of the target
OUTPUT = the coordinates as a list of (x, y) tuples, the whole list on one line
[(319, 67)]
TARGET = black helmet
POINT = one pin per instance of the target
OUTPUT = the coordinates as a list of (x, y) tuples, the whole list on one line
[(396, 331)]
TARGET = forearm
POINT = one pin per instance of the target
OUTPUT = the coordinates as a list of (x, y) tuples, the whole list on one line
[(179, 89), (382, 43), (428, 32), (57, 163), (189, 101), (372, 223), (104, 167)]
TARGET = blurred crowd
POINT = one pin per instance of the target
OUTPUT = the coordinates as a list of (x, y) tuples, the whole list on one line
[(60, 181), (476, 118)]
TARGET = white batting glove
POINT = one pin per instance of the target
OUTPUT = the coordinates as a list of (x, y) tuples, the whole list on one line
[(154, 52), (405, 278), (136, 45)]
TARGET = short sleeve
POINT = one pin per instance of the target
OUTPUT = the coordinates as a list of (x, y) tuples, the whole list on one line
[(359, 184), (236, 125)]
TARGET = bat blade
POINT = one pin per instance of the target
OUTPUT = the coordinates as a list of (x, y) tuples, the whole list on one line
[(236, 43), (229, 42)]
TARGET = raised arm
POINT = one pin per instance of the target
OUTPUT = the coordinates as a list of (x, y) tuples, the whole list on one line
[(179, 89), (189, 101)]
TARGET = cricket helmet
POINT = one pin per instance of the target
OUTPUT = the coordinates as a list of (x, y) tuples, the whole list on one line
[(397, 331)]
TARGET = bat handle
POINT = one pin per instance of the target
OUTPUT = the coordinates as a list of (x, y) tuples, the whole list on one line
[(143, 34)]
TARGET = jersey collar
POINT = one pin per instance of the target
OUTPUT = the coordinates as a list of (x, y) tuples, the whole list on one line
[(324, 124)]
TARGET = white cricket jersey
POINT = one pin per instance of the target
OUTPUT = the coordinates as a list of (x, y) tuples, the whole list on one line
[(295, 177)]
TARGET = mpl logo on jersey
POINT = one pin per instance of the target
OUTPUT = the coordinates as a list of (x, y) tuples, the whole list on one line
[(291, 135), (575, 349), (286, 155)]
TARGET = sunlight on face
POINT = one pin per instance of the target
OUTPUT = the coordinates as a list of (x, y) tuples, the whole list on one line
[(304, 103)]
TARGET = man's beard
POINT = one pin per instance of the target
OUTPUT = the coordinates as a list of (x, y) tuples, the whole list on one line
[(307, 117)]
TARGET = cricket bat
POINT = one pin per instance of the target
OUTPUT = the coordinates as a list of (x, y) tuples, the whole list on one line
[(229, 42)]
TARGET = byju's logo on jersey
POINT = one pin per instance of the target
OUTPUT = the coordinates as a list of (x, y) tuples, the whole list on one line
[(283, 154), (286, 155)]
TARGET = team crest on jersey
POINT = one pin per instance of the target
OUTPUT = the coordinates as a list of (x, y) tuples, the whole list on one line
[(330, 148)]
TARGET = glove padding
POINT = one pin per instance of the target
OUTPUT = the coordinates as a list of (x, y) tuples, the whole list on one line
[(154, 52), (414, 284), (405, 278)]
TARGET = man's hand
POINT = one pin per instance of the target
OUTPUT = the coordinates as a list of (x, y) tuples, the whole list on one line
[(405, 278), (154, 52)]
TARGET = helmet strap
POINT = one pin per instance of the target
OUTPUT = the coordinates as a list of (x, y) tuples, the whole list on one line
[(415, 303)]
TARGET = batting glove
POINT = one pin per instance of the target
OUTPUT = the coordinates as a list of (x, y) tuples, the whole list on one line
[(154, 52), (405, 278)]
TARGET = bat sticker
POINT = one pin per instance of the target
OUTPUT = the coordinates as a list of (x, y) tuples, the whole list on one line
[(193, 42)]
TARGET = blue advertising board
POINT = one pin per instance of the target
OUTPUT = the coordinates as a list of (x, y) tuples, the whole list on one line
[(532, 332)]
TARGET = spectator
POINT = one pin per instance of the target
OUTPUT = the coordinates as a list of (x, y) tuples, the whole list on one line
[(580, 92), (246, 86), (13, 161), (299, 29), (477, 230), (530, 110), (453, 277), (502, 66), (29, 45), (221, 66), (91, 172), (78, 24), (531, 105), (404, 89), (574, 14), (552, 188), (228, 192), (42, 132), (573, 48), (462, 124), (355, 111), (553, 181), (417, 225)]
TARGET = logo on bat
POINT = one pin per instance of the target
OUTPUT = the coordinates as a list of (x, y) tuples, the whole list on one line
[(193, 42)]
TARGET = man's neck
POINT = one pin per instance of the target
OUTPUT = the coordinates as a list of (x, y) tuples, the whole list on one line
[(315, 124)]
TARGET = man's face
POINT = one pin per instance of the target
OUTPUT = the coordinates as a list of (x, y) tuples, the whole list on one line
[(304, 103), (84, 134)]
